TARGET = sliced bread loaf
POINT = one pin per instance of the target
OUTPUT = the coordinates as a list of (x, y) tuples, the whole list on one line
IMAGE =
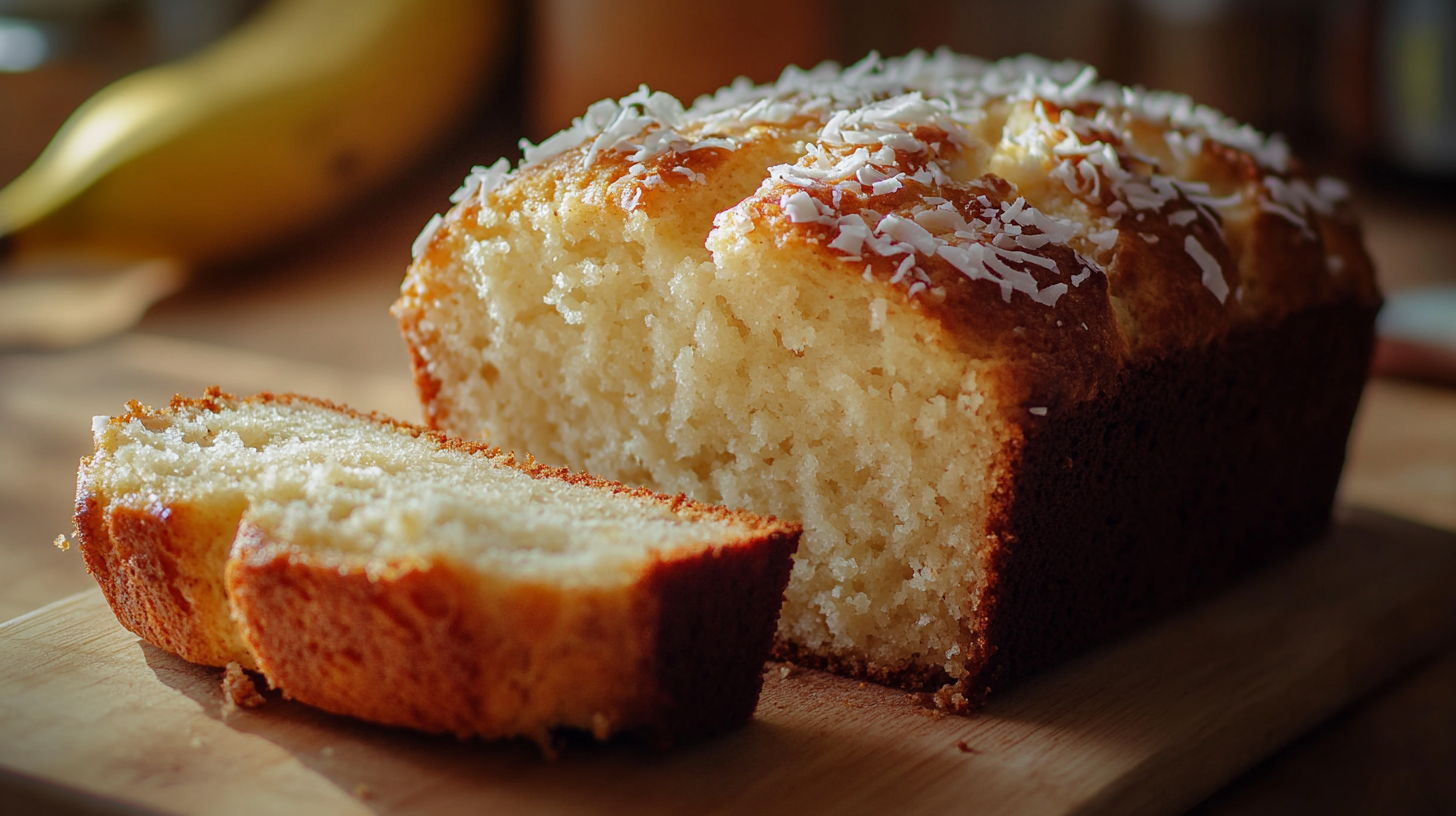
[(1034, 357), (376, 569)]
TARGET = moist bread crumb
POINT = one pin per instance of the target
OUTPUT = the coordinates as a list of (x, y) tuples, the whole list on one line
[(238, 690), (1033, 357), (377, 569)]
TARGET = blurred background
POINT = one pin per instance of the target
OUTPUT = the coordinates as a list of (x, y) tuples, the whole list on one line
[(1361, 86)]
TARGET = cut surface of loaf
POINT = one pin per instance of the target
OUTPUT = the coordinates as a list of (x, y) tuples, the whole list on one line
[(375, 569), (1033, 357)]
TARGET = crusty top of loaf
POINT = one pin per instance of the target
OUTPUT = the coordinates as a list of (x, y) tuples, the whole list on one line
[(1012, 203)]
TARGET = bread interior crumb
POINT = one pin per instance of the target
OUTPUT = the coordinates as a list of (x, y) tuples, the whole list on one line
[(347, 490)]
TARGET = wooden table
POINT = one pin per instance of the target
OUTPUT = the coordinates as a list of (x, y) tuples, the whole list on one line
[(313, 318)]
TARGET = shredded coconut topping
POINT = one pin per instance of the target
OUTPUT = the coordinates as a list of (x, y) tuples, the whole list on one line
[(481, 178), (888, 131)]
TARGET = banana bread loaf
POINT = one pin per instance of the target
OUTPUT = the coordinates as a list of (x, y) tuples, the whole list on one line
[(1033, 357)]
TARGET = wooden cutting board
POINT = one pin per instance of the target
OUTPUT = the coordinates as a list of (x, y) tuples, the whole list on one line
[(1149, 724)]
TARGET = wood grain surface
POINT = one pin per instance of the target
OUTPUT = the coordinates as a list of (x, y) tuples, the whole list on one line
[(1150, 724)]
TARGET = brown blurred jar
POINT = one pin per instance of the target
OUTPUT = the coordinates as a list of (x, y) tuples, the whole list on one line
[(585, 50), (1392, 69)]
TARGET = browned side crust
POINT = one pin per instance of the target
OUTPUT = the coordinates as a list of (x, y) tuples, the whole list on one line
[(159, 567), (1204, 466), (716, 617), (677, 654), (1197, 468)]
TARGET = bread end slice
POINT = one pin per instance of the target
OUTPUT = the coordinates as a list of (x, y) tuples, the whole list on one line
[(438, 647), (375, 569)]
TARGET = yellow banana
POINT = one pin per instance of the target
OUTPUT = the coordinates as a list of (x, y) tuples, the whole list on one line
[(303, 106)]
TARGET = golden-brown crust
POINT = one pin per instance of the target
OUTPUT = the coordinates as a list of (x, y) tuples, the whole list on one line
[(430, 644), (677, 654), (157, 564), (436, 647), (408, 310), (1158, 288)]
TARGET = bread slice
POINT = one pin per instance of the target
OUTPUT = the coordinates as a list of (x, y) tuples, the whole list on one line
[(1033, 357), (376, 569)]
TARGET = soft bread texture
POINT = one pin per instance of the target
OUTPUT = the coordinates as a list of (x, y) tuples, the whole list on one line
[(380, 570), (1033, 357)]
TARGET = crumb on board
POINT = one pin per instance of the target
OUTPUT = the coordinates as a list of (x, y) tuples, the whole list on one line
[(966, 748), (62, 543), (925, 706), (238, 690)]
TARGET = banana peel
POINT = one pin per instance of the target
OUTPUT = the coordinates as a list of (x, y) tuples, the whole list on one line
[(306, 105)]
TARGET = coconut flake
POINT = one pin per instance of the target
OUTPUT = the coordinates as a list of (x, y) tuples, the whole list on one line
[(1105, 240), (940, 221), (482, 180), (904, 230), (852, 234), (889, 185), (1212, 272), (422, 241), (800, 208)]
